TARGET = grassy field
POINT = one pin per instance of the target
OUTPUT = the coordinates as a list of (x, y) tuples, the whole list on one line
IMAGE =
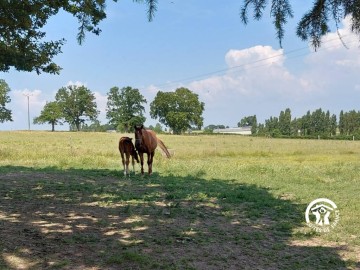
[(221, 202)]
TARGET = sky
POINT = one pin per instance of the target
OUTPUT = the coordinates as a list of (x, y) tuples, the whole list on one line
[(202, 45)]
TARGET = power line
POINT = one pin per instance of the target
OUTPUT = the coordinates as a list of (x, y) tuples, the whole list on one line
[(242, 66)]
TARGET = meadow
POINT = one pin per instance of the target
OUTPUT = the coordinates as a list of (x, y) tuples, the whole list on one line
[(221, 202)]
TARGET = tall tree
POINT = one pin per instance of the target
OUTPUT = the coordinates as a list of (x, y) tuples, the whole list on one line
[(247, 121), (333, 125), (306, 123), (285, 122), (254, 126), (51, 113), (318, 122), (295, 126), (179, 110), (342, 123), (125, 107), (272, 126), (5, 114), (327, 127), (77, 104), (350, 122)]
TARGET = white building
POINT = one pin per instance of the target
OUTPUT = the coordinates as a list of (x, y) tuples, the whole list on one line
[(238, 130)]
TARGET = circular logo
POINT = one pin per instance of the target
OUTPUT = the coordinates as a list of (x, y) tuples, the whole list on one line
[(322, 215)]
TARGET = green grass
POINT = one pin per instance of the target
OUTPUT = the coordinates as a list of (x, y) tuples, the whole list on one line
[(216, 203)]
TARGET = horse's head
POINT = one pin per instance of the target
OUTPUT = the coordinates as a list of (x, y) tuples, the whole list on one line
[(138, 136)]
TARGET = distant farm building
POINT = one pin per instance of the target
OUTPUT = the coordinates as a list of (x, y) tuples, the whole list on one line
[(238, 130)]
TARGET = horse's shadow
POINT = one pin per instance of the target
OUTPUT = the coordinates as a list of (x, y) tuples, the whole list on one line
[(95, 219)]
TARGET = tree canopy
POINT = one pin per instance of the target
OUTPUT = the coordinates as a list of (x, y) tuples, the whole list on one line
[(125, 107), (5, 114), (22, 39), (179, 110), (247, 121), (314, 24), (51, 113), (77, 104)]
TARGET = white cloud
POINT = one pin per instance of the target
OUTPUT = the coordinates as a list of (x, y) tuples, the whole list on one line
[(255, 72), (344, 37), (248, 58), (258, 79), (76, 83), (101, 101)]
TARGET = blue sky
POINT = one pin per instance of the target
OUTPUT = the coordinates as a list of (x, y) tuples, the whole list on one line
[(236, 70)]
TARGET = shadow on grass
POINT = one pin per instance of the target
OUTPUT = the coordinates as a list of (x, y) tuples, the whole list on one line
[(96, 219)]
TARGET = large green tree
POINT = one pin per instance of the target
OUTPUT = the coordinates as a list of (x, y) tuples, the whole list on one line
[(51, 114), (285, 122), (125, 107), (77, 104), (5, 114), (23, 43), (349, 123), (179, 110)]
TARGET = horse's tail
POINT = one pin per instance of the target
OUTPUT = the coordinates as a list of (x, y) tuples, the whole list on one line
[(163, 147)]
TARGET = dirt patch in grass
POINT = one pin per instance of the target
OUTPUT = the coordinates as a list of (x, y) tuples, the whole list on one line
[(78, 219)]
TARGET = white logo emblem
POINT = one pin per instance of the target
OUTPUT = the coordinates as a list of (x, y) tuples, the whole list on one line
[(322, 215)]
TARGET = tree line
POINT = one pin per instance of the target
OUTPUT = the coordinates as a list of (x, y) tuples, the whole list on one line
[(179, 110), (311, 125)]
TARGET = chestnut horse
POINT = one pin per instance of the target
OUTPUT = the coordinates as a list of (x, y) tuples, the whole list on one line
[(127, 149), (146, 142)]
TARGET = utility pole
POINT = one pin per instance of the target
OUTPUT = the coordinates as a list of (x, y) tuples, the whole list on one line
[(28, 103)]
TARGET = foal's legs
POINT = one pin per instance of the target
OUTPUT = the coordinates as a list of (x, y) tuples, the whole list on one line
[(127, 172), (123, 161), (133, 163)]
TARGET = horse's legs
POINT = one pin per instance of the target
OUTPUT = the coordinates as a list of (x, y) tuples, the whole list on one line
[(142, 162), (150, 161)]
